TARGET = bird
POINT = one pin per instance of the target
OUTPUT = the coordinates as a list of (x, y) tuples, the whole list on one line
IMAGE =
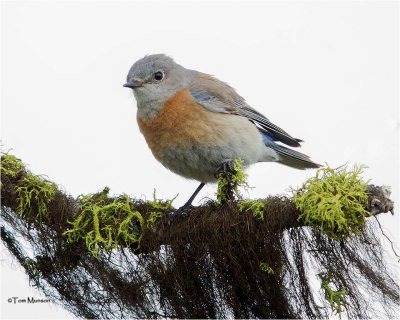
[(195, 124)]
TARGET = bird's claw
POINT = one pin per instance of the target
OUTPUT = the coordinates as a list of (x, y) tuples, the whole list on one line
[(226, 169), (178, 213), (185, 209)]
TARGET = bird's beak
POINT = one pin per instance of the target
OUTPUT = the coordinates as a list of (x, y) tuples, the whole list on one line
[(132, 84)]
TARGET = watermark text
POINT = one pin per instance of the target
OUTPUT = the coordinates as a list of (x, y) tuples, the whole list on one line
[(27, 300)]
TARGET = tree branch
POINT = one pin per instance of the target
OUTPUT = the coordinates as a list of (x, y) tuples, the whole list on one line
[(128, 258), (280, 212)]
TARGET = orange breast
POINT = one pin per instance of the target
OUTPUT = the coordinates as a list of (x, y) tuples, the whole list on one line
[(182, 122)]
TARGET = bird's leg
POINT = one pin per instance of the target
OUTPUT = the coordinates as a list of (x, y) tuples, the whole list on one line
[(186, 207), (226, 169)]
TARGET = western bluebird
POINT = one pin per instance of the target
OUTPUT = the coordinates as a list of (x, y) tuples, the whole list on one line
[(194, 123)]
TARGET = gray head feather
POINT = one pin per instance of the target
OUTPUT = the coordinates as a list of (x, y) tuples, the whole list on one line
[(150, 92), (144, 68)]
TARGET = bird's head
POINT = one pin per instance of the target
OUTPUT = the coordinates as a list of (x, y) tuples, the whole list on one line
[(156, 78)]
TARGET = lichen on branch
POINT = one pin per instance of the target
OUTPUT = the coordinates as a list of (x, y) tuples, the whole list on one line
[(334, 202), (116, 256), (106, 224), (34, 193), (335, 297)]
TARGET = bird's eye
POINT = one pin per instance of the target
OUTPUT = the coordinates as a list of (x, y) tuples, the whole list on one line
[(159, 75)]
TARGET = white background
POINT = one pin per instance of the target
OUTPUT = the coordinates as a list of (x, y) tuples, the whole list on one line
[(326, 72)]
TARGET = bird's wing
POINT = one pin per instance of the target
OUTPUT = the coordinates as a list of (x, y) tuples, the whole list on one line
[(217, 96)]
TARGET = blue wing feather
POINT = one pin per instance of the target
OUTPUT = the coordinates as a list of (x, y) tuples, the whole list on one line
[(216, 96), (201, 96), (288, 156)]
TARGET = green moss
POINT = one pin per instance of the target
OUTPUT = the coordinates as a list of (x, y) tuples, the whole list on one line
[(336, 298), (34, 195), (35, 272), (256, 207), (237, 177), (266, 268), (127, 230), (11, 165), (106, 224), (153, 218), (334, 202), (160, 207)]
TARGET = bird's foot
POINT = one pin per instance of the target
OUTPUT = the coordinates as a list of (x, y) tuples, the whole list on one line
[(226, 168), (224, 171), (179, 213), (185, 209)]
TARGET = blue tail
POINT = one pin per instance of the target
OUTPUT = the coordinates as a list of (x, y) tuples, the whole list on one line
[(288, 156)]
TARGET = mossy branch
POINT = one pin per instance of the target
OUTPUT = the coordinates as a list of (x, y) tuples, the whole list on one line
[(232, 242), (336, 202)]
